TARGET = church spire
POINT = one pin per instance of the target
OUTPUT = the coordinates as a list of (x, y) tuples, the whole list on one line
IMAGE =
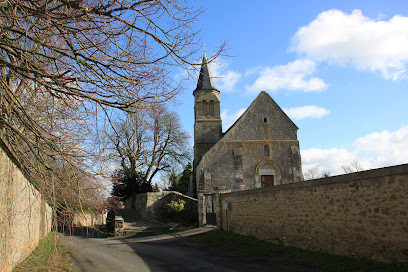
[(205, 81)]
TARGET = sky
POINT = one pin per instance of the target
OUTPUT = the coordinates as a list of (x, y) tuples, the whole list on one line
[(337, 68)]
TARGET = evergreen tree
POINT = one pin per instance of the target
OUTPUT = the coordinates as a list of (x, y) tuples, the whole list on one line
[(125, 183), (181, 181)]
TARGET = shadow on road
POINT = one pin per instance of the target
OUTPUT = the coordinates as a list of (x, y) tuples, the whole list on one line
[(166, 252), (176, 252), (85, 232)]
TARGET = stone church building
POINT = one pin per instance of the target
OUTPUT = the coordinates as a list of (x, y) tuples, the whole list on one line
[(259, 150)]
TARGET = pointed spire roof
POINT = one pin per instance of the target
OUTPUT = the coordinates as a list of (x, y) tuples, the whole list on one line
[(205, 81)]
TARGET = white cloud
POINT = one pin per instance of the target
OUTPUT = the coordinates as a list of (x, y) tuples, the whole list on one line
[(227, 81), (327, 159), (374, 150), (306, 112), (368, 44), (224, 79), (386, 148), (229, 118), (295, 75)]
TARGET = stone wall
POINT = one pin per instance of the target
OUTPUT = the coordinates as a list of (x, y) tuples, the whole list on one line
[(150, 205), (88, 219), (361, 214), (25, 217)]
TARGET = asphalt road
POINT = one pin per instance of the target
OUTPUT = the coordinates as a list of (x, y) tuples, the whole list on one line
[(159, 253)]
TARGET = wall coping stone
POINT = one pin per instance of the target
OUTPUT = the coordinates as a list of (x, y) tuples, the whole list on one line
[(368, 174)]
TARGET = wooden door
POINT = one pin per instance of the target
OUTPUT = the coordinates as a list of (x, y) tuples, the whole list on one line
[(267, 180)]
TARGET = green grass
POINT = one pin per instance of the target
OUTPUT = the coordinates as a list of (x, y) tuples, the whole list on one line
[(50, 255), (290, 256)]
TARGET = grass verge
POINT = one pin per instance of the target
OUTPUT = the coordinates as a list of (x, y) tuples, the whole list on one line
[(307, 260), (50, 255)]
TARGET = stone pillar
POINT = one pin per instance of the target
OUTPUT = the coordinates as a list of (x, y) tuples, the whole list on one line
[(219, 205), (201, 208)]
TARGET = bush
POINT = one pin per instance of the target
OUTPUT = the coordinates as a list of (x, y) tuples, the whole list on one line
[(176, 206), (177, 211)]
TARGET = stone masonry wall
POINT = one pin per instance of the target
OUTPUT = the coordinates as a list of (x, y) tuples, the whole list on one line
[(363, 214), (25, 217), (88, 219), (150, 205)]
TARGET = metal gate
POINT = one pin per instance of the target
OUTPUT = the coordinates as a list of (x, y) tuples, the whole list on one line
[(210, 216)]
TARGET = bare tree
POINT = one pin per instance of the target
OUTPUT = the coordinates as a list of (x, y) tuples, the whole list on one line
[(354, 166), (114, 53), (65, 66), (149, 141), (347, 169), (311, 173), (325, 174), (54, 151)]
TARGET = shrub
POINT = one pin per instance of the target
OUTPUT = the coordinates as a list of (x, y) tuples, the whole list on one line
[(176, 206), (177, 211)]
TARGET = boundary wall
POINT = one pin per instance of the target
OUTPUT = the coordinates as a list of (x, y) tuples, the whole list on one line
[(25, 217), (362, 214), (89, 219), (150, 205)]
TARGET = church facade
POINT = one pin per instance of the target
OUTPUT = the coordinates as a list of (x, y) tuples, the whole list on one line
[(259, 150)]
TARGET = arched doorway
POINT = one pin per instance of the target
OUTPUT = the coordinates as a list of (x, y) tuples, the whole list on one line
[(268, 175), (270, 171)]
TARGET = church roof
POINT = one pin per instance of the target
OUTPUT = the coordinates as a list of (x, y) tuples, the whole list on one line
[(205, 81), (262, 95)]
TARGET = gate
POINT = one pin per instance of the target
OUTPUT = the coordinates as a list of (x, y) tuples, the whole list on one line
[(210, 216)]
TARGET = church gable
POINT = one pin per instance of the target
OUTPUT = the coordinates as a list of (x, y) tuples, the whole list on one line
[(263, 120)]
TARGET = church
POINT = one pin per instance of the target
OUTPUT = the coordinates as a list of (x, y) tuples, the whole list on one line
[(259, 150)]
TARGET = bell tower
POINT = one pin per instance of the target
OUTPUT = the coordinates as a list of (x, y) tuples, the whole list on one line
[(207, 125)]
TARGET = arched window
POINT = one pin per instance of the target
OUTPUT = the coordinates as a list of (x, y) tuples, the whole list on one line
[(266, 151)]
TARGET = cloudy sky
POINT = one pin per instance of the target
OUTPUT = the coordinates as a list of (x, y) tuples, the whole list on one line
[(337, 68)]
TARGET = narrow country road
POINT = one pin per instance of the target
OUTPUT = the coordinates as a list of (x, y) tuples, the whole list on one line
[(158, 253)]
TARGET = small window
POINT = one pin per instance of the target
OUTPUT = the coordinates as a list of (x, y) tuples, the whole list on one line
[(265, 120), (266, 150), (204, 108), (212, 108)]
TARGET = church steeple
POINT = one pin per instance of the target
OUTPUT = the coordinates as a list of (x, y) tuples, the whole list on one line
[(207, 126), (205, 81)]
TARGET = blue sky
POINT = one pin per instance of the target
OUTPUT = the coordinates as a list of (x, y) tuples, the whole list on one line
[(338, 68)]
